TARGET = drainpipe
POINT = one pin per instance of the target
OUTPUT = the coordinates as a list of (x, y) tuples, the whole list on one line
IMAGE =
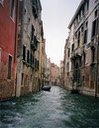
[(97, 56)]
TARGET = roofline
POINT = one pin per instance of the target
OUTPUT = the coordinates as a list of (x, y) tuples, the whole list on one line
[(77, 10)]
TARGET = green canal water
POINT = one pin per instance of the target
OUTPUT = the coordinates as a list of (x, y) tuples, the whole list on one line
[(55, 109)]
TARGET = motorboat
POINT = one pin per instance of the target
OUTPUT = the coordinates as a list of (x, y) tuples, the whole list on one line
[(74, 91), (46, 88)]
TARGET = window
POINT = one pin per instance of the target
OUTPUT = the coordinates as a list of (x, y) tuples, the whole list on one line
[(87, 4), (85, 36), (68, 52), (80, 61), (32, 33), (22, 78), (72, 47), (24, 52), (86, 24), (96, 14), (31, 58), (68, 67), (82, 29), (94, 28), (79, 39), (83, 12), (1, 2), (0, 58), (28, 56), (37, 64), (9, 66), (12, 8), (93, 54), (80, 15), (84, 58), (94, 24)]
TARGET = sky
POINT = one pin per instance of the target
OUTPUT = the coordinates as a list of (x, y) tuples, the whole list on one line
[(56, 16)]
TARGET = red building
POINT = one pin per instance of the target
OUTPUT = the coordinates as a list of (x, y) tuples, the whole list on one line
[(8, 46)]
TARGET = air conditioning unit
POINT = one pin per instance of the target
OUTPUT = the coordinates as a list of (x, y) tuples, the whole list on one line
[(1, 2)]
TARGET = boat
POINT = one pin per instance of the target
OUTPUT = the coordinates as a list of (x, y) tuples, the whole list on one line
[(46, 88), (74, 91)]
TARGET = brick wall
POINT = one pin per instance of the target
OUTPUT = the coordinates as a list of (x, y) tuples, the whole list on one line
[(6, 88)]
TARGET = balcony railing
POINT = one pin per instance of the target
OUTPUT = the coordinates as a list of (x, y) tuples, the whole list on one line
[(72, 55), (79, 51), (34, 44)]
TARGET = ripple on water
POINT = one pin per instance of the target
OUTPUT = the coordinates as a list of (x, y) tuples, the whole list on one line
[(55, 109)]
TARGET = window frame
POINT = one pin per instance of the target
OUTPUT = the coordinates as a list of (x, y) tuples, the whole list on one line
[(84, 58), (94, 24), (94, 27), (24, 52), (2, 2), (0, 58), (12, 16), (28, 56), (9, 77), (85, 36), (92, 54), (68, 52), (22, 79)]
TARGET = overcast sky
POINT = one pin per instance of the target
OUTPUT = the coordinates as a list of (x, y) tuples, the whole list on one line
[(56, 16)]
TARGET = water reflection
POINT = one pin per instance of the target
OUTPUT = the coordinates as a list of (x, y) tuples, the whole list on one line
[(55, 109)]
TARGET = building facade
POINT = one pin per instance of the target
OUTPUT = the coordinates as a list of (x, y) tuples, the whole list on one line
[(42, 58), (8, 46), (29, 41), (48, 72), (81, 51), (67, 66), (54, 74), (61, 78)]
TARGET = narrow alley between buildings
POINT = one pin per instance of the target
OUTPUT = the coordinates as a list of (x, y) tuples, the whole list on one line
[(55, 109)]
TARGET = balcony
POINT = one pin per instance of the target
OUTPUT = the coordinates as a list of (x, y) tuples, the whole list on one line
[(73, 55), (92, 43), (34, 44), (79, 51)]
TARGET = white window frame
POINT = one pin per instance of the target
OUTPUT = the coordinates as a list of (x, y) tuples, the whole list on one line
[(2, 2)]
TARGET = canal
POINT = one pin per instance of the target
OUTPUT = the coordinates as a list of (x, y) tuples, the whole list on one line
[(55, 109)]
